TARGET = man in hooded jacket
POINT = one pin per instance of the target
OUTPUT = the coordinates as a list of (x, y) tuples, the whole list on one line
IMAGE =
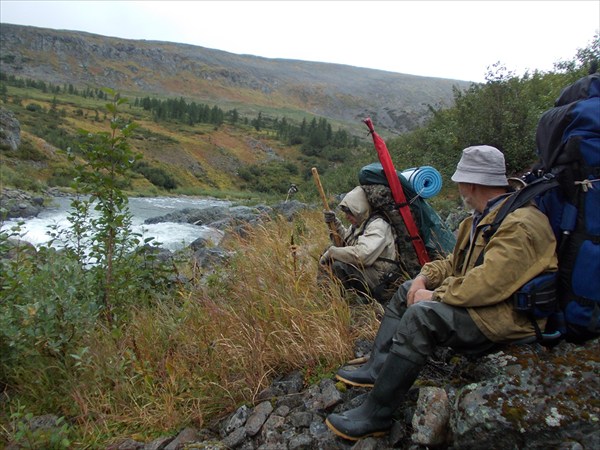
[(463, 301), (369, 253)]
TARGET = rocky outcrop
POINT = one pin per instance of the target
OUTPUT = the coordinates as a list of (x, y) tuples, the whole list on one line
[(522, 396), (529, 397), (519, 397), (10, 130), (223, 217), (15, 203)]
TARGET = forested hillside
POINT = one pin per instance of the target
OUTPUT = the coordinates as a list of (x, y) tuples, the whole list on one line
[(207, 120), (183, 146)]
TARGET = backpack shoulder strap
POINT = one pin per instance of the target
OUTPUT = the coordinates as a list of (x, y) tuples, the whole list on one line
[(521, 198), (518, 199)]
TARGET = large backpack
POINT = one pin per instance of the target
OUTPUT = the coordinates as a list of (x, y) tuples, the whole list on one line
[(566, 187), (437, 237)]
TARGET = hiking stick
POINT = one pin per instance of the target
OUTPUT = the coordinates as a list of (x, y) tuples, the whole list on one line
[(294, 253), (337, 240), (355, 361)]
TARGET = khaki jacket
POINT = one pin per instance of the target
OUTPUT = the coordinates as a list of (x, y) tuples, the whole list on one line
[(367, 242), (523, 247)]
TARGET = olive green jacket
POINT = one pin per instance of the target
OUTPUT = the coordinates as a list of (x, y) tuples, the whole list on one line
[(523, 247)]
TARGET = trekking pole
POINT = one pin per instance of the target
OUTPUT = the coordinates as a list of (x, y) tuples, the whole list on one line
[(294, 256), (337, 240)]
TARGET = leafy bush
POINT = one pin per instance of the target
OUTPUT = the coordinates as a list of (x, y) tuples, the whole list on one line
[(49, 303), (155, 175), (62, 176), (274, 176), (25, 152), (54, 436), (12, 175), (33, 107), (54, 301)]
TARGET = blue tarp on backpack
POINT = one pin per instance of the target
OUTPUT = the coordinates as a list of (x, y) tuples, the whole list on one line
[(568, 144)]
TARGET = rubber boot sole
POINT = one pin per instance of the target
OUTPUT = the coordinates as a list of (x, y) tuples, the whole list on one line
[(354, 383), (353, 438)]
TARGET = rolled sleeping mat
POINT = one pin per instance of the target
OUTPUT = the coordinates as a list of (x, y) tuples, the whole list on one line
[(425, 180)]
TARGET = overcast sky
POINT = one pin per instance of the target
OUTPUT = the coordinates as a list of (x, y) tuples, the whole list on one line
[(447, 39)]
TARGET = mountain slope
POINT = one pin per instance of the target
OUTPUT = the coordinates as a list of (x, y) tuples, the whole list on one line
[(346, 94)]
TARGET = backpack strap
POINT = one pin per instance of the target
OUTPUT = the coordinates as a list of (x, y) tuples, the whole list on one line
[(521, 198), (517, 200)]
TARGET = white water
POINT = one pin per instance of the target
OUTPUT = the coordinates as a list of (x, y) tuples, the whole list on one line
[(172, 236)]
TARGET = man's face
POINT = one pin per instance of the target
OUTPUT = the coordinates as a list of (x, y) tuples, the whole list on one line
[(465, 190), (350, 217)]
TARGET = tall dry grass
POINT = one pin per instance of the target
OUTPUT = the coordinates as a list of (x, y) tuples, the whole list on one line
[(216, 346)]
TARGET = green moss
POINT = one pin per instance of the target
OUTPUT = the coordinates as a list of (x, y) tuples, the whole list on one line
[(514, 414), (341, 386)]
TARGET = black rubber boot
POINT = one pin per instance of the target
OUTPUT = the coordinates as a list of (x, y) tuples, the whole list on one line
[(365, 375), (374, 416)]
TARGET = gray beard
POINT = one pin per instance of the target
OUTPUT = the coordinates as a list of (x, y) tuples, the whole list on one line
[(467, 205)]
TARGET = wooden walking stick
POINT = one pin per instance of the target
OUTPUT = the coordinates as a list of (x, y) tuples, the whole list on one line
[(337, 239)]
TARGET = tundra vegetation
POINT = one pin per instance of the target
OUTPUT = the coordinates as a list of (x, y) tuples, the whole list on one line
[(104, 335)]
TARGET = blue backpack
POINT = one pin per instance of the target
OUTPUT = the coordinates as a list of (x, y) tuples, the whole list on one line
[(566, 187)]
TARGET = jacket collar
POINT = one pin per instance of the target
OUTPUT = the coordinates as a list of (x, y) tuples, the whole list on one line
[(490, 206)]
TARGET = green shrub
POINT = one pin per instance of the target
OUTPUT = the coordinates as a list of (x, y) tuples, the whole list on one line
[(155, 175), (274, 176), (13, 177), (24, 433), (33, 107), (28, 152), (49, 302)]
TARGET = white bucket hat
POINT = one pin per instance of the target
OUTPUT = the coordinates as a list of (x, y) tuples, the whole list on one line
[(481, 164)]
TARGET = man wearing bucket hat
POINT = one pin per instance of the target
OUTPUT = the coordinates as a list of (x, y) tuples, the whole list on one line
[(462, 301)]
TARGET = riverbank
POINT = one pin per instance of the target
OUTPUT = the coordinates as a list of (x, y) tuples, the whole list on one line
[(17, 203)]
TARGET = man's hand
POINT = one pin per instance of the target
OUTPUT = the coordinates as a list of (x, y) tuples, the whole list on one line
[(329, 216), (325, 258), (422, 295), (417, 284)]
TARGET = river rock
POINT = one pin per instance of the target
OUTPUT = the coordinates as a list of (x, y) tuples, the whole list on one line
[(222, 217), (196, 216), (16, 203), (431, 418)]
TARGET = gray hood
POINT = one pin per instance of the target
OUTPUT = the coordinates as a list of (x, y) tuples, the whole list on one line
[(356, 201)]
